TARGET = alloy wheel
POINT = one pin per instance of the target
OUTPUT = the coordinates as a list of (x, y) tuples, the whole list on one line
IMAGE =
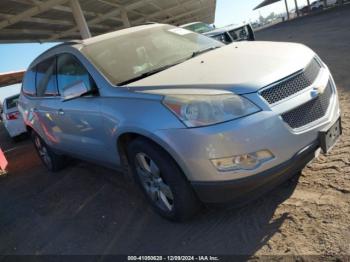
[(153, 183), (43, 152)]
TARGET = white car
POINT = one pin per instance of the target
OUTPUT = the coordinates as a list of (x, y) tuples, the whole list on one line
[(319, 4), (227, 34), (12, 119)]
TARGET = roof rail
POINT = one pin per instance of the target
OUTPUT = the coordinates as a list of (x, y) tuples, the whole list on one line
[(146, 23)]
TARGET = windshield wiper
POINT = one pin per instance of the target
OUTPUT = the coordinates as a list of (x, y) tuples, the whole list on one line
[(199, 52), (149, 73)]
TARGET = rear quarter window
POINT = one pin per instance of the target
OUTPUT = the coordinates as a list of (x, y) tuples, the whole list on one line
[(28, 86)]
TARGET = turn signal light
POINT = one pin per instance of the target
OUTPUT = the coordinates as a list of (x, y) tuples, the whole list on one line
[(12, 116), (242, 162)]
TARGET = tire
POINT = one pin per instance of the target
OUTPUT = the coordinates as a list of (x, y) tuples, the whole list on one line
[(16, 139), (52, 161), (162, 181), (19, 137)]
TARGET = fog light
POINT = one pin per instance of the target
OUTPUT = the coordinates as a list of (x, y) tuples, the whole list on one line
[(243, 162)]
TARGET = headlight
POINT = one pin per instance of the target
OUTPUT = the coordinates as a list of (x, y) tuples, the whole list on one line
[(204, 110)]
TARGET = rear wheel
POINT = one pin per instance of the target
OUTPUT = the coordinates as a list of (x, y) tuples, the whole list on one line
[(16, 139), (162, 181), (51, 160)]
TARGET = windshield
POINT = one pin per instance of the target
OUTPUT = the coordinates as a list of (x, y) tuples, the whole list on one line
[(130, 55), (200, 28)]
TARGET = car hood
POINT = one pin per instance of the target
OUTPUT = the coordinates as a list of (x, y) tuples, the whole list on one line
[(242, 67)]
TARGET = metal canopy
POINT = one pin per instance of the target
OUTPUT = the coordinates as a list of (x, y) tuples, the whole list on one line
[(61, 20), (265, 3), (269, 2)]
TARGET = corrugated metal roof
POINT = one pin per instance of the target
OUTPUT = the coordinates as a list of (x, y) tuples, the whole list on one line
[(52, 20)]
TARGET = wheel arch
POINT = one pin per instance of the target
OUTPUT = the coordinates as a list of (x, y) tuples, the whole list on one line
[(29, 129), (128, 136)]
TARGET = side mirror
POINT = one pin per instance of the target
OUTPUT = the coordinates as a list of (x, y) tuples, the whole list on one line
[(75, 90)]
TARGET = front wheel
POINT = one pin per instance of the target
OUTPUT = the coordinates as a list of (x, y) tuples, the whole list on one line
[(162, 181), (50, 159)]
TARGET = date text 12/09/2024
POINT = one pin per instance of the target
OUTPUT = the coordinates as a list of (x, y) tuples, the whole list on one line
[(173, 258)]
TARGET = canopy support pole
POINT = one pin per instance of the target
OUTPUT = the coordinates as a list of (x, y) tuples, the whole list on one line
[(297, 8), (287, 9), (125, 18), (80, 19)]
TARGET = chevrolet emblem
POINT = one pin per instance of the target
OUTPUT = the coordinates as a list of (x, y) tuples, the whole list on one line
[(316, 91)]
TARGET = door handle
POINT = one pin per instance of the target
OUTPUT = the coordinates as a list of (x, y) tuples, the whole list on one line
[(61, 112)]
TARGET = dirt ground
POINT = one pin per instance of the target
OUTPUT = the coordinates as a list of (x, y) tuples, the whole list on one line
[(319, 208), (86, 209)]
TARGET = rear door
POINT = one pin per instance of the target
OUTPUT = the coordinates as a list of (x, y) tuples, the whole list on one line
[(27, 103), (47, 97)]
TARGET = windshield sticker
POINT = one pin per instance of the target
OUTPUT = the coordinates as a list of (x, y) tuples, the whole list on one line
[(180, 31)]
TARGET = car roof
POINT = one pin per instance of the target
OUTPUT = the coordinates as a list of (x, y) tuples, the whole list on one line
[(43, 55), (121, 32)]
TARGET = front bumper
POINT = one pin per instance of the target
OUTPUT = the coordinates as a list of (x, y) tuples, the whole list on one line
[(248, 188), (193, 148)]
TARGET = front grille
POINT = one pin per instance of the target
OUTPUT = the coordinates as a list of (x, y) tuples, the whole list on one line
[(292, 85), (310, 111)]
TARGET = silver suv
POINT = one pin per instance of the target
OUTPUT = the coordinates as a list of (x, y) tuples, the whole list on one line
[(192, 119)]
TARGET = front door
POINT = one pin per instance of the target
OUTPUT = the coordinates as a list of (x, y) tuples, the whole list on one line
[(79, 118)]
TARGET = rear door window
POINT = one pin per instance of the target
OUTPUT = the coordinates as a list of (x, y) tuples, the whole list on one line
[(46, 83), (28, 87)]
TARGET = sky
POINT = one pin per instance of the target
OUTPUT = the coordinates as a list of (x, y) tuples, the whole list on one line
[(18, 56), (238, 11), (14, 57)]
